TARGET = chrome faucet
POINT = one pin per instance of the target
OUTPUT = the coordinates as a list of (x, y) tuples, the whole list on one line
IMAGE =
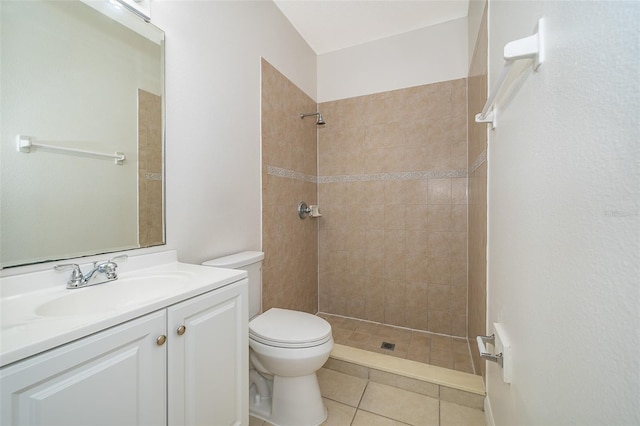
[(79, 280)]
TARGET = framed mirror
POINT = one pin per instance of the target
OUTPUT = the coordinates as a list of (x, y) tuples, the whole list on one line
[(82, 131)]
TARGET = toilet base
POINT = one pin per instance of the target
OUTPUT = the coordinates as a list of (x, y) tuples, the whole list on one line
[(295, 401)]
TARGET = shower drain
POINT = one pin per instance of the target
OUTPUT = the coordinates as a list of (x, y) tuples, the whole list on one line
[(388, 346)]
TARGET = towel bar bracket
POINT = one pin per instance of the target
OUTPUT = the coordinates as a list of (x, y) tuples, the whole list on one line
[(531, 47), (500, 342), (484, 354)]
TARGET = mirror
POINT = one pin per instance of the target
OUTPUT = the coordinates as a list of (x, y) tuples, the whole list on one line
[(81, 83)]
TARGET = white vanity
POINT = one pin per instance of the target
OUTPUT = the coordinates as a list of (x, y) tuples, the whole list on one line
[(166, 343)]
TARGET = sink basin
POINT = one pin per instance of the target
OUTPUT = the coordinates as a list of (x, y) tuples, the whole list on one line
[(115, 296)]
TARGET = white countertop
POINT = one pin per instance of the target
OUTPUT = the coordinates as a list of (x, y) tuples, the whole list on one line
[(26, 329)]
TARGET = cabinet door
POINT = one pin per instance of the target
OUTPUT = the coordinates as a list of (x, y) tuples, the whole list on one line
[(208, 362), (115, 377)]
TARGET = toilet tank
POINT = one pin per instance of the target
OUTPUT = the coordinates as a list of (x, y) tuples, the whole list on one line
[(250, 261)]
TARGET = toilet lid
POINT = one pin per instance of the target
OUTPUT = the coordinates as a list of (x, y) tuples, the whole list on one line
[(288, 329)]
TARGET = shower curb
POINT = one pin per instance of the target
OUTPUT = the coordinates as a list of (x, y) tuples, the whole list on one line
[(437, 382)]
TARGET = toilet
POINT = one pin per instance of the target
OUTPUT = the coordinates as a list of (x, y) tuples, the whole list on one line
[(286, 349)]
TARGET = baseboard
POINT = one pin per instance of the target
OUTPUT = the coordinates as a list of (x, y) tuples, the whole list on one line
[(488, 414)]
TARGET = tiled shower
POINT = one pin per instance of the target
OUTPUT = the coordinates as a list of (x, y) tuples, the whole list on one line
[(391, 174), (392, 187)]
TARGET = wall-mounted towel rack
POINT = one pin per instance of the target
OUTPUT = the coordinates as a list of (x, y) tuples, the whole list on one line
[(24, 144), (525, 48)]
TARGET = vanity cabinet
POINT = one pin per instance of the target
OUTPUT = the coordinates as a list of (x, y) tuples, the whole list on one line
[(115, 377), (208, 359), (186, 364)]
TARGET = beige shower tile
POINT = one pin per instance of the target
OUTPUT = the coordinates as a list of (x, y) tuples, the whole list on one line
[(374, 240), (400, 405), (442, 362), (459, 217), (375, 264), (459, 190), (341, 387), (360, 340), (417, 242), (415, 217), (350, 323), (458, 272), (422, 357), (458, 300), (394, 215), (441, 342), (341, 336), (457, 415), (374, 299), (439, 322), (459, 148), (458, 325), (460, 346), (393, 193), (415, 191), (374, 191), (439, 217), (416, 303), (354, 238), (438, 270), (439, 191), (355, 194), (416, 268), (419, 348), (373, 216), (439, 297), (458, 245), (439, 244), (394, 302), (438, 153), (396, 334), (366, 327)]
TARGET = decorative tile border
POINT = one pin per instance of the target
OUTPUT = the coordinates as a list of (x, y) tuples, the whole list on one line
[(153, 176), (478, 162), (461, 173), (421, 175), (291, 174)]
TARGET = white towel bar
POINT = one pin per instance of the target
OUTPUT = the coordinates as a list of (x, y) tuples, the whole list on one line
[(525, 48), (24, 144)]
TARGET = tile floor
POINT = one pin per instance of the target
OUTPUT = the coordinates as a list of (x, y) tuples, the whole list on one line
[(353, 401), (435, 349)]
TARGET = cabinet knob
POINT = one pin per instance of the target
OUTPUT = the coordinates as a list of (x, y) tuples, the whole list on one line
[(161, 339), (181, 330)]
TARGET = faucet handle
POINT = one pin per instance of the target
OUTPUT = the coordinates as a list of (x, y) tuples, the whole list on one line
[(109, 267), (76, 273)]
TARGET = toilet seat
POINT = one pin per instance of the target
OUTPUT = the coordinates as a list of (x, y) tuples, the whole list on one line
[(285, 328)]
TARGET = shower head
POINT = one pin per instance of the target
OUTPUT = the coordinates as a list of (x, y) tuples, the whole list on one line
[(319, 122)]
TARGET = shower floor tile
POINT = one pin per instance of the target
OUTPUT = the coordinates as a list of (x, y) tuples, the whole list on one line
[(428, 348)]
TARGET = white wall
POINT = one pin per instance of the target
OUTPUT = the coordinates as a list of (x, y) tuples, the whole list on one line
[(213, 51), (564, 217), (429, 55)]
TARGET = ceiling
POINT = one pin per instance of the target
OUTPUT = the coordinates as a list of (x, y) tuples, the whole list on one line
[(328, 25)]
